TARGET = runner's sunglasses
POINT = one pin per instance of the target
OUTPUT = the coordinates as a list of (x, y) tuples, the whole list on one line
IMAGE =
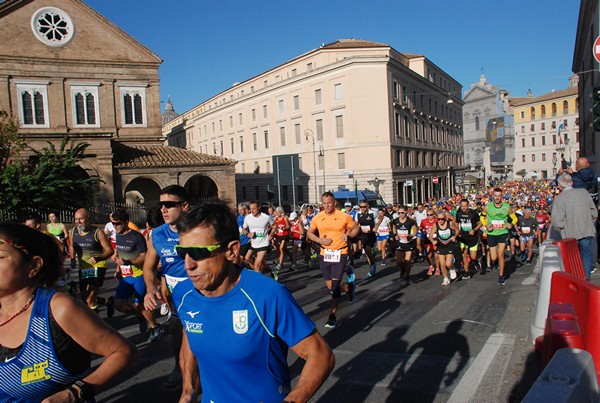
[(196, 252), (169, 204)]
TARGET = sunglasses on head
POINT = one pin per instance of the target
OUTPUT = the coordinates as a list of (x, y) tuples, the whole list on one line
[(196, 252), (169, 204)]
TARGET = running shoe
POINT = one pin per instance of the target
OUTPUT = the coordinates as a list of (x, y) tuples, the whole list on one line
[(143, 324), (452, 274), (406, 280), (501, 280), (351, 290), (528, 261), (438, 272), (383, 263), (110, 306), (173, 381), (523, 257), (466, 275), (446, 281), (275, 272), (293, 267), (351, 278), (430, 270), (483, 271), (332, 322), (164, 309), (155, 334)]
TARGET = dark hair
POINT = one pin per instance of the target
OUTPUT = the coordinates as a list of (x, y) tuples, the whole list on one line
[(175, 190), (255, 202), (154, 217), (35, 217), (497, 190), (39, 244), (120, 215), (216, 214), (328, 194), (464, 200)]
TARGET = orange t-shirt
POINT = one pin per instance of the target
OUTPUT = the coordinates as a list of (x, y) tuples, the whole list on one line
[(333, 226)]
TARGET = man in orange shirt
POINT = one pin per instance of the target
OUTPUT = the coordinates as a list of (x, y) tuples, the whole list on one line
[(331, 229)]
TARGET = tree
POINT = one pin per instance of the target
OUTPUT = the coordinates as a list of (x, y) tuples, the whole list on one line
[(11, 143), (50, 178), (522, 172)]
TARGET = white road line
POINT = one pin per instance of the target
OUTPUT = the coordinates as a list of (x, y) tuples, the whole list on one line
[(469, 382)]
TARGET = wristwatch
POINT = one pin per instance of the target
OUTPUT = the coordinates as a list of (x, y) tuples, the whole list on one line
[(86, 392)]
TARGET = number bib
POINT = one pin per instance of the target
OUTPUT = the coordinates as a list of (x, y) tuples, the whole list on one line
[(384, 231), (403, 235), (365, 228), (497, 224), (466, 226), (526, 230), (333, 256), (259, 233), (126, 270), (89, 273)]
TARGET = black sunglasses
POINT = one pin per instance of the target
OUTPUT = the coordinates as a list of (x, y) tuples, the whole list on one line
[(196, 252), (117, 223), (364, 206), (430, 215), (401, 212), (169, 204)]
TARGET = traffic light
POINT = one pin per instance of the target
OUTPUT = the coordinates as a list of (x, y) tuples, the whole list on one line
[(596, 107)]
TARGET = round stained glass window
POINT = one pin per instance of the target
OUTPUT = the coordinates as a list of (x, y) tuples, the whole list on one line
[(52, 26)]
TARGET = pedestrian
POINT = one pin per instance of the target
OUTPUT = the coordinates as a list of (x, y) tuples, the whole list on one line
[(47, 338), (574, 215), (238, 323)]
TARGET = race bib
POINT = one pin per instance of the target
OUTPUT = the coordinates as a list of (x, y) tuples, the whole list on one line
[(466, 226), (89, 273), (259, 233), (241, 232), (525, 230), (403, 233), (497, 224), (279, 231), (126, 270), (333, 256), (365, 228), (445, 234), (173, 281), (384, 231)]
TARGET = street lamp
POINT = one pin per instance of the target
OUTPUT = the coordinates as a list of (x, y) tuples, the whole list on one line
[(308, 133), (437, 185)]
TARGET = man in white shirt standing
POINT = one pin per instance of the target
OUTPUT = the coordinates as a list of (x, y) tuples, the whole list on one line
[(256, 227)]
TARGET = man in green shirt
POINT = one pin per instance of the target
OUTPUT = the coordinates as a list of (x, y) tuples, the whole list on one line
[(497, 224)]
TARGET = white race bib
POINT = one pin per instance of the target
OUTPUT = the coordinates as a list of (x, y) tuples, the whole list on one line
[(259, 233), (126, 270), (525, 230), (333, 256), (365, 228), (466, 226), (497, 224), (384, 231), (89, 273)]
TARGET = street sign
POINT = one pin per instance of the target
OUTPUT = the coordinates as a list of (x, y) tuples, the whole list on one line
[(435, 179), (409, 182), (458, 180), (596, 49)]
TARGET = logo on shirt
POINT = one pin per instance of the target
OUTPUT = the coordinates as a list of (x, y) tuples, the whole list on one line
[(240, 321), (193, 314), (193, 327), (34, 373)]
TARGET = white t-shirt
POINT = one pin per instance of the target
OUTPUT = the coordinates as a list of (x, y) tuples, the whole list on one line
[(110, 230), (260, 226), (420, 216)]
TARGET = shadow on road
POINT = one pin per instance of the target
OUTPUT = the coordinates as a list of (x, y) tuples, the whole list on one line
[(530, 373)]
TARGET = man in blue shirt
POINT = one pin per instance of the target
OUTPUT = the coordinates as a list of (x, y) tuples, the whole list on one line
[(238, 324)]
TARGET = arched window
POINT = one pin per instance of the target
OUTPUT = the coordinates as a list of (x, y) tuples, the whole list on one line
[(553, 109), (565, 107), (543, 111), (476, 122), (532, 113)]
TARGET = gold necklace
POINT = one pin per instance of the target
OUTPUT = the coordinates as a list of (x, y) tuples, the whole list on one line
[(25, 307)]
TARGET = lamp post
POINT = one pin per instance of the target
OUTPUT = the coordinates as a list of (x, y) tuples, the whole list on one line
[(308, 133), (437, 185)]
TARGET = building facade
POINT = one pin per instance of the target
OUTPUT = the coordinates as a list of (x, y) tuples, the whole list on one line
[(547, 132), (67, 71), (350, 114), (488, 132), (587, 69)]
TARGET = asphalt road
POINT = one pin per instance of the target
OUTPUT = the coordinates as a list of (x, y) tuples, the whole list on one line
[(467, 342)]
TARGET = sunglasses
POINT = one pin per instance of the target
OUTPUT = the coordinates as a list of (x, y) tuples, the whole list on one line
[(117, 223), (169, 204), (401, 212), (196, 252), (364, 206), (430, 215), (441, 219)]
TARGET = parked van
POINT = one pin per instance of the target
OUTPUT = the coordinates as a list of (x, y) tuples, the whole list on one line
[(346, 195)]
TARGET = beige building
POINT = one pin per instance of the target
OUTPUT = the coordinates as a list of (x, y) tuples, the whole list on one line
[(67, 71), (349, 114), (546, 131)]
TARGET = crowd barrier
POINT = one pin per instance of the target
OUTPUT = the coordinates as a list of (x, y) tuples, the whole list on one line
[(571, 257), (569, 377), (573, 317)]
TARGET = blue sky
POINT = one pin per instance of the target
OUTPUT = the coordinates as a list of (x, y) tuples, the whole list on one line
[(209, 45)]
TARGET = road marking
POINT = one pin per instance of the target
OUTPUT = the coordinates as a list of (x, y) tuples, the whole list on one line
[(469, 382)]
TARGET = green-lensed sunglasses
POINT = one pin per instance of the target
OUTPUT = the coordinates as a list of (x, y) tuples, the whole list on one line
[(196, 252)]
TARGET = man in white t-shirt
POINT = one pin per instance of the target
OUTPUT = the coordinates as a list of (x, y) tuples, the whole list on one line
[(420, 214), (256, 227)]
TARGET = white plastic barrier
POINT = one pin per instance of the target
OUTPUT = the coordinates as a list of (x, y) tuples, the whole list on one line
[(541, 249), (551, 261), (569, 377)]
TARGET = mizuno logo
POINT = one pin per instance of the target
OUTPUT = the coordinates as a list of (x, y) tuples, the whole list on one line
[(193, 314)]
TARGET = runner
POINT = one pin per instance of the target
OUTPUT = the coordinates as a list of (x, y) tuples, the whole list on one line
[(469, 225), (280, 234), (256, 227), (161, 249), (382, 229), (428, 246), (543, 221), (59, 230), (443, 235), (528, 230), (129, 256), (497, 224), (243, 210), (297, 234), (366, 237), (334, 228), (420, 214), (405, 230)]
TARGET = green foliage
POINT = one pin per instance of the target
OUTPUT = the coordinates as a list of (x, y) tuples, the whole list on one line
[(521, 172), (50, 178), (11, 143)]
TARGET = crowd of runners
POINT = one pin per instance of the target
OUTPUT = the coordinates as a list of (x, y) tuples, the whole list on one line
[(456, 237)]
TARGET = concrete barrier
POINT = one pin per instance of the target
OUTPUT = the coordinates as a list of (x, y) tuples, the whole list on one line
[(569, 377), (551, 262)]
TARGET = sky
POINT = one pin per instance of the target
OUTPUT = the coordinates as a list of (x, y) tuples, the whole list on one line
[(208, 45)]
